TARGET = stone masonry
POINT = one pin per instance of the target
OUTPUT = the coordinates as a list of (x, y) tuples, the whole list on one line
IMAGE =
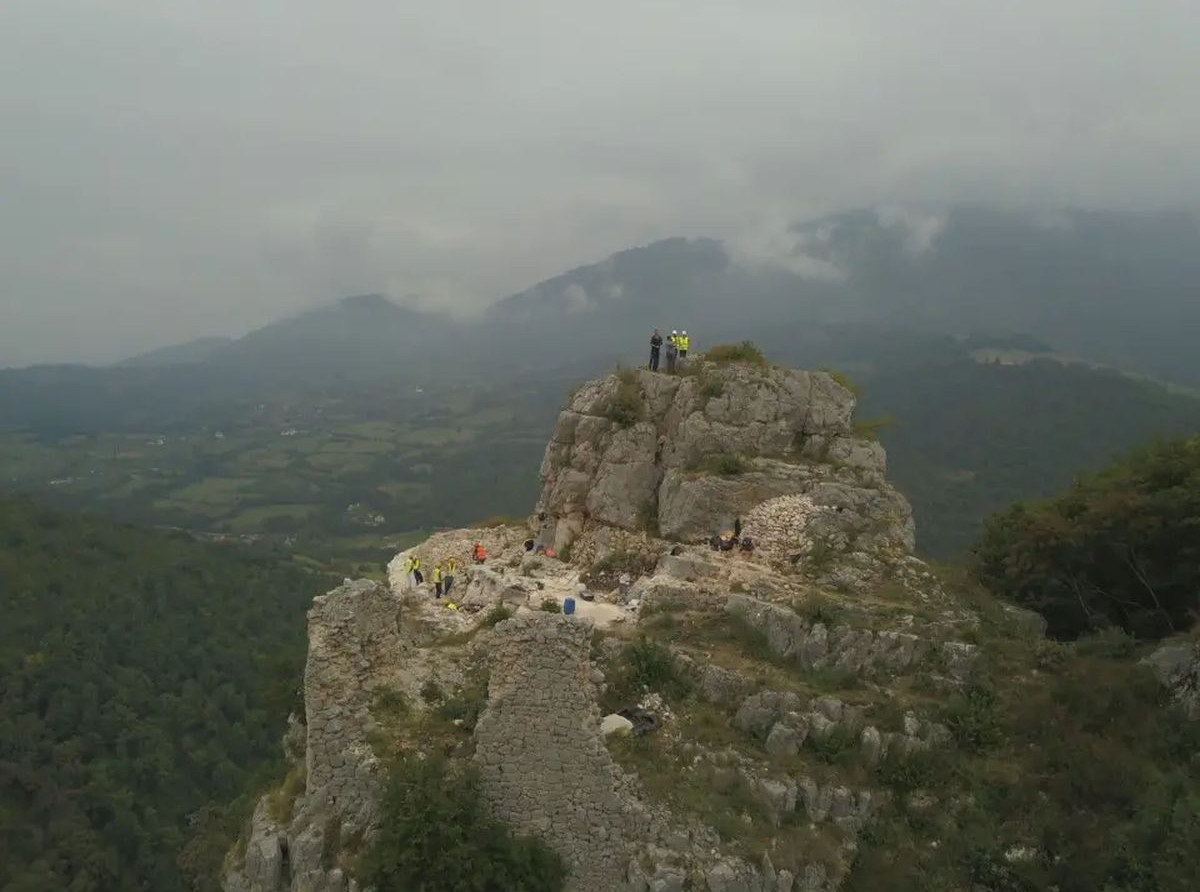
[(543, 763)]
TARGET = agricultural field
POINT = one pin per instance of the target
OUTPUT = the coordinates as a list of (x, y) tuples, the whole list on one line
[(340, 483)]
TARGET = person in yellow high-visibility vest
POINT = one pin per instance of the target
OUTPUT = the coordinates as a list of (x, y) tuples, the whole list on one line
[(451, 571), (685, 344), (437, 580)]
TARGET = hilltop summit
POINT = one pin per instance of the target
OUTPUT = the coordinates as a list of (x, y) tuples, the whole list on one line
[(685, 457), (705, 717)]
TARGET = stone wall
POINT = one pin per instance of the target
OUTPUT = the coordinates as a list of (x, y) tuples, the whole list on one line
[(543, 763)]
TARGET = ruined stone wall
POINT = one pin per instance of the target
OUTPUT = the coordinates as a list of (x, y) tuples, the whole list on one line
[(543, 763)]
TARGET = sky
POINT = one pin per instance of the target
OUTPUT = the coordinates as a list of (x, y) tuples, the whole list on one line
[(174, 169)]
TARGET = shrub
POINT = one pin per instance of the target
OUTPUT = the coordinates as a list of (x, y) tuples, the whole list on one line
[(467, 704), (389, 701), (617, 562), (431, 692), (626, 406), (726, 464), (711, 386), (497, 615), (844, 380), (435, 833), (870, 429), (1118, 548), (744, 352), (281, 801), (973, 719), (550, 606), (645, 665)]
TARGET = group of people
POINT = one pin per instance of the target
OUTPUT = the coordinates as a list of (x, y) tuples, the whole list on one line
[(444, 572), (728, 540), (678, 343)]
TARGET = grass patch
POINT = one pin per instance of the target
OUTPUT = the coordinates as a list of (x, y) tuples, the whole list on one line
[(724, 464), (497, 615), (871, 428), (282, 801), (626, 407), (744, 352), (500, 520), (844, 380)]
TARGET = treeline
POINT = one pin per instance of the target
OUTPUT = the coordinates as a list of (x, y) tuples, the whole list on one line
[(144, 680)]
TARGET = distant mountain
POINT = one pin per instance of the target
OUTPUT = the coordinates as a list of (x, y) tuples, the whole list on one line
[(1121, 289), (199, 350)]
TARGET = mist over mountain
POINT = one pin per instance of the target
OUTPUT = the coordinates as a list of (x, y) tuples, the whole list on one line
[(1112, 288)]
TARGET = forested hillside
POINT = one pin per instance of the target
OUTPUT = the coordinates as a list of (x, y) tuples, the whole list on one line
[(970, 438), (144, 678)]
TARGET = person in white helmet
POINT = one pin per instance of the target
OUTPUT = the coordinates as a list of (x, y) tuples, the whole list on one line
[(684, 343), (672, 351)]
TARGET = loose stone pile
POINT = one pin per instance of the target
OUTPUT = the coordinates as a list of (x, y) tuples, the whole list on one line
[(779, 526)]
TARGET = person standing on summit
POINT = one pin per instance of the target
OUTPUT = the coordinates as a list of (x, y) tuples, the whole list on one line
[(672, 351), (655, 346)]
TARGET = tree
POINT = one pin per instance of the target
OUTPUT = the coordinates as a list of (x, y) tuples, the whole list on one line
[(1120, 547)]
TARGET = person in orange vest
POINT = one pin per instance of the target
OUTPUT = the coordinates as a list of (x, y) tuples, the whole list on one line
[(479, 553)]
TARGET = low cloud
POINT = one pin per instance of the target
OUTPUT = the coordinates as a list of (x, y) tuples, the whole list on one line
[(179, 169), (576, 298)]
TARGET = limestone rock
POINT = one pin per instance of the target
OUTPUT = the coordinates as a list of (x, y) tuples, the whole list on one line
[(595, 470), (615, 724), (1030, 622), (813, 645), (1177, 667)]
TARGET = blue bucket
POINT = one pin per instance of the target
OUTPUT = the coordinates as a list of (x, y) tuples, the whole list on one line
[(568, 606)]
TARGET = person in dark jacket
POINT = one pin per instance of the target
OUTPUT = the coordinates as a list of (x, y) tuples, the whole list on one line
[(655, 347)]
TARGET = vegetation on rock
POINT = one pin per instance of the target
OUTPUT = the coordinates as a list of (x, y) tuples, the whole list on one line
[(1121, 547), (435, 834), (626, 406), (745, 352)]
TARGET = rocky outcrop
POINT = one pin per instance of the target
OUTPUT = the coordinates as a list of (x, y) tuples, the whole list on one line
[(1177, 667), (688, 456), (814, 645), (710, 447)]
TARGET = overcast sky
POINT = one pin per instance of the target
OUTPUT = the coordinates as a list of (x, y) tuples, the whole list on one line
[(172, 169)]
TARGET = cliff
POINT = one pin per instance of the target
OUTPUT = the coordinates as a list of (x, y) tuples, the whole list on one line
[(780, 699)]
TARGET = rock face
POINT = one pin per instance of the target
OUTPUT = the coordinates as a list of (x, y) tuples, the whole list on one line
[(814, 645), (711, 447), (357, 649)]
